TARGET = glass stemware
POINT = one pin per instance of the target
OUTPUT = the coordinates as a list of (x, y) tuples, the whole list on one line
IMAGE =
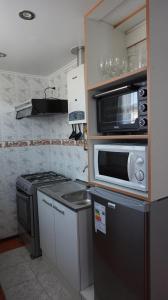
[(112, 67)]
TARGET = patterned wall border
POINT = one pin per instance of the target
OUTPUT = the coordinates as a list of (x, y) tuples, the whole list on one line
[(41, 142)]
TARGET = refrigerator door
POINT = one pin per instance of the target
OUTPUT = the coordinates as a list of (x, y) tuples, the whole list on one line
[(119, 233)]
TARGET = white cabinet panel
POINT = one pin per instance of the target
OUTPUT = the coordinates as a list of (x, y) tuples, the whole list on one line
[(46, 224), (65, 238), (67, 255)]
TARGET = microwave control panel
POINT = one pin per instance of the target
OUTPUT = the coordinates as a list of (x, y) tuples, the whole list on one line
[(143, 108)]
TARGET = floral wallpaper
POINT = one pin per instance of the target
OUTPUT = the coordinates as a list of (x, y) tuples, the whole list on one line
[(33, 144)]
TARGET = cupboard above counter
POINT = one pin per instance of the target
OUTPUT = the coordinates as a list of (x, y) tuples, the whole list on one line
[(116, 40)]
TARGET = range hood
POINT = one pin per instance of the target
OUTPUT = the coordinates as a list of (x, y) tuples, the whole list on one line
[(41, 107)]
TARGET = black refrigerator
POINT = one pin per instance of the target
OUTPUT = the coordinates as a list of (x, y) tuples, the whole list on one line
[(130, 247)]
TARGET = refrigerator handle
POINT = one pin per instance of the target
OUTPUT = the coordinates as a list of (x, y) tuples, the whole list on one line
[(111, 205)]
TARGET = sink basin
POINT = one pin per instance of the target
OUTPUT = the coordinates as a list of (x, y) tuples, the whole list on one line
[(77, 198), (83, 202)]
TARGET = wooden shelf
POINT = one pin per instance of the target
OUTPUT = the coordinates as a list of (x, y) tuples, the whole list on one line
[(119, 137), (125, 191), (130, 16), (116, 80)]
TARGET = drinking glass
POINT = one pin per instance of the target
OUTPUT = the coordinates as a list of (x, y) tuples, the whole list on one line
[(103, 68), (116, 66), (123, 66), (141, 55)]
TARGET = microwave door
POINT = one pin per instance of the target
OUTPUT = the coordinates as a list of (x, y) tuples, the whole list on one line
[(118, 112), (113, 166), (128, 108)]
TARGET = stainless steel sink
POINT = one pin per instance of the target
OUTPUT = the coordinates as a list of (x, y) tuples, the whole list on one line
[(83, 202), (77, 198)]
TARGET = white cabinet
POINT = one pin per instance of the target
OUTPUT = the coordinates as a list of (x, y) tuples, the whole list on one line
[(67, 243), (46, 224), (66, 239), (76, 95)]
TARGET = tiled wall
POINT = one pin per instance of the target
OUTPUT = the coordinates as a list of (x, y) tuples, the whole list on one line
[(71, 160), (33, 144)]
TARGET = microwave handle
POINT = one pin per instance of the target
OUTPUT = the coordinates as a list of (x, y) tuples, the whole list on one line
[(130, 166)]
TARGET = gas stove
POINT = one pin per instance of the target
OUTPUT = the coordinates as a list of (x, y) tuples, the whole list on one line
[(26, 183), (27, 206)]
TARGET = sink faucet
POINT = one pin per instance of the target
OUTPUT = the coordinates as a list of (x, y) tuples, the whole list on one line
[(84, 169)]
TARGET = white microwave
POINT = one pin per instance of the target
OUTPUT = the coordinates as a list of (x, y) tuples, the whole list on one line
[(125, 165)]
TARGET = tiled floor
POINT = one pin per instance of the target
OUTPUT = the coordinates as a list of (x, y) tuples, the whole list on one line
[(25, 279), (88, 293)]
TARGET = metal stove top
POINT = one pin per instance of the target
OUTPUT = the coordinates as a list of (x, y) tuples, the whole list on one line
[(26, 183)]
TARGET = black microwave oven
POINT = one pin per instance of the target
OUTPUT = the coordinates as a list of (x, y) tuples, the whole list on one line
[(122, 109)]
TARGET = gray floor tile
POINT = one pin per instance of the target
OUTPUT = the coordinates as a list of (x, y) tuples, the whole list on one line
[(88, 293), (15, 275), (44, 296), (30, 290), (11, 258), (25, 279), (24, 253), (39, 266), (53, 286), (57, 288)]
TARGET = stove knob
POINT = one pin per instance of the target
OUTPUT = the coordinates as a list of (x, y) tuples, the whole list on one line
[(143, 122), (139, 175), (143, 107), (140, 160), (142, 92)]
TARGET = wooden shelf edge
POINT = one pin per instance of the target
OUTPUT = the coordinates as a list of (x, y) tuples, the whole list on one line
[(93, 8), (118, 137), (117, 189), (145, 39), (116, 79), (139, 9)]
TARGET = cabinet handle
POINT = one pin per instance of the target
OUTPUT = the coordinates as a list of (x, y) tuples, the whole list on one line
[(49, 204), (59, 210), (111, 205)]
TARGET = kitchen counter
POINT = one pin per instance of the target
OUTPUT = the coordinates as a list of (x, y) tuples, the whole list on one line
[(57, 191)]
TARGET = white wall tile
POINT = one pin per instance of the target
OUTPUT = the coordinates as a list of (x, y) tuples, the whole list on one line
[(67, 160)]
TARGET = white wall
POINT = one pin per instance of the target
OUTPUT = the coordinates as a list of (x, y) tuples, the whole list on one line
[(71, 160), (25, 158)]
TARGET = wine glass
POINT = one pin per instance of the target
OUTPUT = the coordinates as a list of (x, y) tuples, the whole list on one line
[(116, 66), (102, 68), (124, 65)]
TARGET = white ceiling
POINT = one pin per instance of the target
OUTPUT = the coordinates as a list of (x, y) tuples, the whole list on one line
[(42, 45)]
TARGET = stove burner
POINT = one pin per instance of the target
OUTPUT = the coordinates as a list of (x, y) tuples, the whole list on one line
[(41, 176), (27, 182)]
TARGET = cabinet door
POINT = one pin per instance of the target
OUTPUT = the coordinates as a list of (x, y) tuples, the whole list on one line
[(46, 224), (67, 256)]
